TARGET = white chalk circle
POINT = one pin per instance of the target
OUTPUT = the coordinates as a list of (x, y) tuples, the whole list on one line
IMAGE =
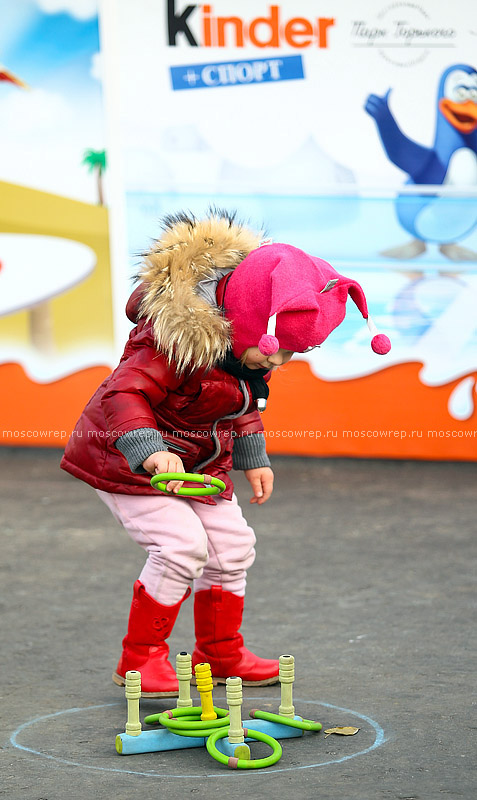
[(36, 268), (377, 734)]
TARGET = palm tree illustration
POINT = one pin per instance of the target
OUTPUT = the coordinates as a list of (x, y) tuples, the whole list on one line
[(95, 160)]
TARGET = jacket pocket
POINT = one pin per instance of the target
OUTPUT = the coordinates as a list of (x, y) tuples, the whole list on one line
[(191, 453), (173, 446)]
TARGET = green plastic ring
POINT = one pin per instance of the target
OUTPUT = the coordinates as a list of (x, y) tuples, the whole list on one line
[(303, 724), (242, 763), (185, 722), (213, 485)]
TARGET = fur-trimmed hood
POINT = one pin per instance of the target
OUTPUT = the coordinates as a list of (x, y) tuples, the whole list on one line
[(187, 328)]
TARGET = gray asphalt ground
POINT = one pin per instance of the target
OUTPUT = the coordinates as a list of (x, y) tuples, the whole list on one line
[(364, 573)]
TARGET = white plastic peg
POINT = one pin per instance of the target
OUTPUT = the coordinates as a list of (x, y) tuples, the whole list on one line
[(184, 676), (133, 695), (286, 675), (234, 702)]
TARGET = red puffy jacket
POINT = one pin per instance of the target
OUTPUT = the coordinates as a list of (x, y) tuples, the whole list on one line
[(198, 414)]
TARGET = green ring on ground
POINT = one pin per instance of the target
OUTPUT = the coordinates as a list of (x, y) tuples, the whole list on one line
[(242, 763), (303, 724), (216, 486), (185, 721)]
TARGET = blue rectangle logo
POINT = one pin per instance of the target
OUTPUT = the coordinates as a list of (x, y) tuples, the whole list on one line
[(237, 73)]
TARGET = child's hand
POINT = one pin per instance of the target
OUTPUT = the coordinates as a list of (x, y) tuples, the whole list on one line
[(163, 461), (261, 481)]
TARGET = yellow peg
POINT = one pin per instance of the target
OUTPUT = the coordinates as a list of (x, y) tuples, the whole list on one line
[(204, 683)]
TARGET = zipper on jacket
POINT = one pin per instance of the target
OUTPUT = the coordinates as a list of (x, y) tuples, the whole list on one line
[(174, 446), (214, 436)]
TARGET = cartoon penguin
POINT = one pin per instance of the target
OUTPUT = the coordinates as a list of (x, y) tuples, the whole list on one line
[(451, 161)]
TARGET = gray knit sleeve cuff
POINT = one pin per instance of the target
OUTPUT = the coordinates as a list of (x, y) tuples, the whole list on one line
[(249, 452), (138, 445)]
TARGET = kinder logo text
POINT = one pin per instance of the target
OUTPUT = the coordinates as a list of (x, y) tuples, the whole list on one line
[(199, 26), (238, 73)]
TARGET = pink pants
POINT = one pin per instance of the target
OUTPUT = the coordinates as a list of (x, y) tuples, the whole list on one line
[(186, 541)]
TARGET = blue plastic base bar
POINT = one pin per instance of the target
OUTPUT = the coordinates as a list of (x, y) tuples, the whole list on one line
[(154, 741)]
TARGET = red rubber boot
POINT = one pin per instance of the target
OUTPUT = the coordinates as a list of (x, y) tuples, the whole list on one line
[(144, 648), (218, 617)]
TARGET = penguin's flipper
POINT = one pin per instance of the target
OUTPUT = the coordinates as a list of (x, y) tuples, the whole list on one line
[(405, 153), (456, 252), (412, 249)]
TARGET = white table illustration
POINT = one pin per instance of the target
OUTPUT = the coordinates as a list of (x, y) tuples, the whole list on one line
[(33, 270)]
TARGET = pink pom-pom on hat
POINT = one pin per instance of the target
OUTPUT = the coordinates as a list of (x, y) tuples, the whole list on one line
[(380, 343), (269, 344), (281, 297)]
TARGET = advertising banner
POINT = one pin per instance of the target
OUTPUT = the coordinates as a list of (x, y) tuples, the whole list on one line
[(350, 132)]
